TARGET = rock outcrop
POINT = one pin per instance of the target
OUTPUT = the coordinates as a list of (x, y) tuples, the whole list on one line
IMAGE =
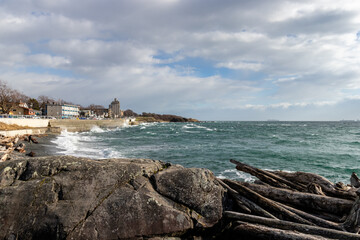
[(62, 197)]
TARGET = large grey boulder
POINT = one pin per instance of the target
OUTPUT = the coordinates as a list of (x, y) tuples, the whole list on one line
[(195, 188), (62, 197)]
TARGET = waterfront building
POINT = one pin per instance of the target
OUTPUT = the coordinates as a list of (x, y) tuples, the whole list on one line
[(21, 109), (114, 109), (62, 110), (101, 112), (86, 113)]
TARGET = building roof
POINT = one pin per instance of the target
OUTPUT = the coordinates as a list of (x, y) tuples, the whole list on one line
[(115, 101)]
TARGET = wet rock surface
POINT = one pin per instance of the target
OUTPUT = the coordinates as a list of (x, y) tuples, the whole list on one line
[(63, 197)]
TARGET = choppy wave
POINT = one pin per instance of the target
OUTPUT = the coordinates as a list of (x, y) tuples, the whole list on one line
[(196, 126), (330, 149), (84, 145), (235, 174), (97, 129)]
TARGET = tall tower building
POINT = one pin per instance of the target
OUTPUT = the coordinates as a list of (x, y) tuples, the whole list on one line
[(114, 108)]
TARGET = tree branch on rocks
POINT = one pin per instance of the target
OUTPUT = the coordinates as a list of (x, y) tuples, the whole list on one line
[(305, 206), (268, 177), (286, 225)]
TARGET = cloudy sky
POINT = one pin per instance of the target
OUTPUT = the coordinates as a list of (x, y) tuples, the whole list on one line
[(207, 59)]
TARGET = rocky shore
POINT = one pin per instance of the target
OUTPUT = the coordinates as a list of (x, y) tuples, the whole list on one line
[(65, 197)]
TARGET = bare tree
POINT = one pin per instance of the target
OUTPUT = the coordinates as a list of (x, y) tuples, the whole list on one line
[(94, 107), (9, 97), (43, 100)]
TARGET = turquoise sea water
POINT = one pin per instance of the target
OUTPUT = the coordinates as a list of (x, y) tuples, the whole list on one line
[(331, 149)]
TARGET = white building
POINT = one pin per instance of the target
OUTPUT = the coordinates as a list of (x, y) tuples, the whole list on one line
[(63, 111)]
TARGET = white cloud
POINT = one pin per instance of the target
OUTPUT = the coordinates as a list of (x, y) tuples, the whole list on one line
[(218, 54), (240, 65)]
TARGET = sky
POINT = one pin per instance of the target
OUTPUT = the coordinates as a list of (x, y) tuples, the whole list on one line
[(206, 59)]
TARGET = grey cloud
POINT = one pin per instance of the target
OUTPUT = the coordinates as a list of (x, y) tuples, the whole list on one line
[(317, 22), (109, 47)]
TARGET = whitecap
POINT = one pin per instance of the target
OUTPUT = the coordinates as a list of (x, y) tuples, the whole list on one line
[(236, 174), (195, 126), (97, 129), (83, 145)]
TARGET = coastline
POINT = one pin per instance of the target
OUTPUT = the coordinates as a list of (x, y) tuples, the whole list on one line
[(46, 130), (149, 187)]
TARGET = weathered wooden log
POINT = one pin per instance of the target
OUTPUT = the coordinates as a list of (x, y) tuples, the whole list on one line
[(253, 207), (16, 140), (286, 225), (4, 157), (329, 216), (269, 205), (314, 219), (6, 140), (257, 181), (354, 180), (327, 186), (9, 145), (342, 186), (255, 231), (303, 200), (352, 222), (315, 189), (268, 177)]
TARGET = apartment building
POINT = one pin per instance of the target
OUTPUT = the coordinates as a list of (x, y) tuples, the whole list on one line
[(63, 110), (114, 109)]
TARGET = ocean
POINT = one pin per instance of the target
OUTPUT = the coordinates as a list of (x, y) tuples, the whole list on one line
[(331, 149)]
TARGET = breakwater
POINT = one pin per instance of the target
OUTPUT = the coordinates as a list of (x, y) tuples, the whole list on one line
[(41, 126)]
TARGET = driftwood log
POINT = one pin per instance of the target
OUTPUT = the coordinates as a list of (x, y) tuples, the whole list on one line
[(8, 145), (327, 186), (282, 205), (303, 200), (286, 225), (267, 176), (256, 231), (274, 208), (253, 207), (352, 222)]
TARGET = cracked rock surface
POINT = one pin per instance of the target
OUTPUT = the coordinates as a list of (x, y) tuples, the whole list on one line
[(64, 197)]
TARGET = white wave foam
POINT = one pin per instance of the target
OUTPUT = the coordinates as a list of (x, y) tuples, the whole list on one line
[(237, 175), (67, 142), (146, 125), (195, 126), (83, 145), (97, 129)]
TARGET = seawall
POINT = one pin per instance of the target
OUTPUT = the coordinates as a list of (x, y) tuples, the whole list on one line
[(30, 131), (41, 126), (75, 125), (30, 122)]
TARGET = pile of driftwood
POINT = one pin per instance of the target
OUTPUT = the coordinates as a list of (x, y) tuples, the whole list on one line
[(299, 205), (10, 144)]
